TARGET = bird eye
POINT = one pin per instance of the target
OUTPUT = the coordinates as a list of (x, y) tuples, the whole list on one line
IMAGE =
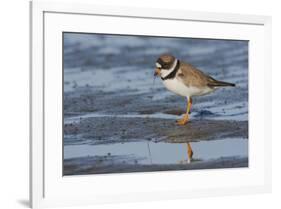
[(158, 65)]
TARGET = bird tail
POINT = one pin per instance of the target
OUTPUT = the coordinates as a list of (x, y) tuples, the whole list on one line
[(215, 83)]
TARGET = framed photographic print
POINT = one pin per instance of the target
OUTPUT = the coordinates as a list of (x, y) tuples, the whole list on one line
[(135, 104)]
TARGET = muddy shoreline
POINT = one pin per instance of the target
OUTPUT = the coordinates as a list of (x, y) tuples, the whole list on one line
[(95, 165), (118, 129), (113, 130)]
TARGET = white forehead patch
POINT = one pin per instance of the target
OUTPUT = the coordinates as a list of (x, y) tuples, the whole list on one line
[(158, 65)]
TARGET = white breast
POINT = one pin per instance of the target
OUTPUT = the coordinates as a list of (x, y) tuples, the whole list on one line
[(179, 88)]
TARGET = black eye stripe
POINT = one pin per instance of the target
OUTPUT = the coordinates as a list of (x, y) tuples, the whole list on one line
[(165, 65), (160, 61)]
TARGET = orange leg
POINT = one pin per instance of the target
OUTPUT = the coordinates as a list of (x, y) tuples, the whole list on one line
[(190, 101), (185, 118)]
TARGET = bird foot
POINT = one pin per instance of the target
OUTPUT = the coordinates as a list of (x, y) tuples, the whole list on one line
[(183, 121)]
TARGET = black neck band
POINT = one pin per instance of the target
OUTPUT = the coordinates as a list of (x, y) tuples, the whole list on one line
[(173, 73)]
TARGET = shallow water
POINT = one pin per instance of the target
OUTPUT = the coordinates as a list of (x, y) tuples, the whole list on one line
[(108, 77), (162, 152)]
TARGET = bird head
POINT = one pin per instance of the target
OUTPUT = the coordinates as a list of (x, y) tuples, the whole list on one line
[(164, 64)]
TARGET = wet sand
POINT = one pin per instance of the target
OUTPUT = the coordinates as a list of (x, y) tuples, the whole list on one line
[(124, 129), (128, 130), (101, 165)]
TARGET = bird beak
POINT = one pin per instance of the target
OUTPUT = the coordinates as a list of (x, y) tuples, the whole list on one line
[(157, 72)]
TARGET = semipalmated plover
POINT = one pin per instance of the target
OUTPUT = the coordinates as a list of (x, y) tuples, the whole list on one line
[(185, 80)]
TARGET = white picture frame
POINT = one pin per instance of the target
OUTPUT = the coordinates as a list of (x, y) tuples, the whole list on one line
[(49, 188)]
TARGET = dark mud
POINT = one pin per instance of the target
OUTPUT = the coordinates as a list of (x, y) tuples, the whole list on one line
[(126, 129), (123, 164)]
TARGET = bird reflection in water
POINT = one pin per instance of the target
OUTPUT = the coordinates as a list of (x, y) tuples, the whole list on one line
[(189, 153)]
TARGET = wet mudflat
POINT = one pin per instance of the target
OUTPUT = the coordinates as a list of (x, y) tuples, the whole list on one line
[(116, 120), (124, 164), (146, 143), (129, 129)]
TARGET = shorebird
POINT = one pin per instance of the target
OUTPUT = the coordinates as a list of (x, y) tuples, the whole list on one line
[(185, 80)]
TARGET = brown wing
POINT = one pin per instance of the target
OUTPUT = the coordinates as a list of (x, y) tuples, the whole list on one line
[(191, 76)]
